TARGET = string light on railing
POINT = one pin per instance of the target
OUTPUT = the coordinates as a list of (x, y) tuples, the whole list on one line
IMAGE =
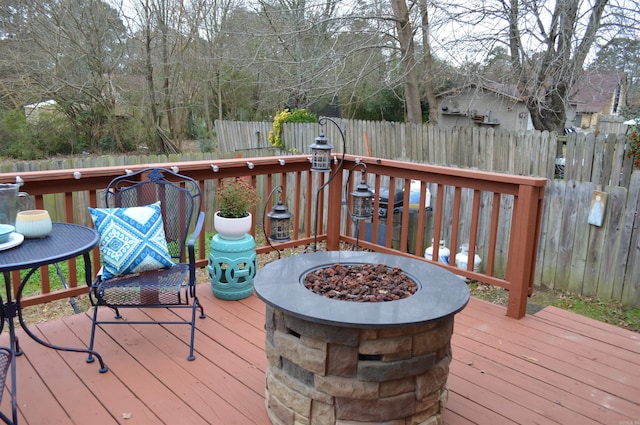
[(128, 172), (77, 175), (281, 161), (175, 169), (215, 168), (250, 165), (19, 180)]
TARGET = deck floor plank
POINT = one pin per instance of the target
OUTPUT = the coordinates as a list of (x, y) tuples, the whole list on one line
[(31, 381), (79, 403), (565, 355), (553, 367), (248, 406), (128, 388), (551, 396), (580, 325)]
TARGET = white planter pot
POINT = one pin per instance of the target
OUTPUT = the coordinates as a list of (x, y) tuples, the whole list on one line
[(232, 228)]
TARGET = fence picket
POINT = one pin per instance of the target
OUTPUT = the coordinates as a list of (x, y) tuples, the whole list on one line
[(629, 272), (612, 246), (566, 242), (595, 244), (607, 165), (550, 238)]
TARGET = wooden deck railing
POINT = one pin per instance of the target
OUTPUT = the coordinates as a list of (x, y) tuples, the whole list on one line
[(498, 215)]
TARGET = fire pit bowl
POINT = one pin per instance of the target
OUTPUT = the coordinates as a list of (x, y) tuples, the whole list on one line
[(332, 361)]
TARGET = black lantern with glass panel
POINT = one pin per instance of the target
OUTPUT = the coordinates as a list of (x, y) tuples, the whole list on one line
[(362, 200), (321, 154), (279, 219)]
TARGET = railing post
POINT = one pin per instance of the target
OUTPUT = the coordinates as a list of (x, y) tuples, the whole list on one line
[(523, 248), (334, 209)]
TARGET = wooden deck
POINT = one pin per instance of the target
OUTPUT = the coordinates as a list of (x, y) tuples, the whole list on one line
[(551, 367)]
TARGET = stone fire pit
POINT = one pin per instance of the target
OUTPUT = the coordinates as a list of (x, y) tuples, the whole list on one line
[(333, 361)]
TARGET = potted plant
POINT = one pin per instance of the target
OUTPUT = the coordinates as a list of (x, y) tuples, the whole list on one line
[(235, 199)]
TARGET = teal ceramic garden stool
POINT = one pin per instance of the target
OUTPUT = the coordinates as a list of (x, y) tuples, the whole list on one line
[(232, 267)]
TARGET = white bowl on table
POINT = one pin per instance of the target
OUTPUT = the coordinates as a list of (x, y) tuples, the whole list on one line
[(34, 223)]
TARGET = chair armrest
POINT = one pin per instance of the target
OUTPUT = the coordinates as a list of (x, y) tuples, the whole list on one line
[(191, 247), (196, 230)]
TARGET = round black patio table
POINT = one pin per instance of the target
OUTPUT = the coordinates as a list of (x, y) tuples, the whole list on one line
[(65, 241)]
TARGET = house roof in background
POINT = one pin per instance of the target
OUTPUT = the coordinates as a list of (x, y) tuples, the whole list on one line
[(595, 89), (507, 90)]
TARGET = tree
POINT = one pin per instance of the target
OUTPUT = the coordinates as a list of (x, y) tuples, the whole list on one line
[(164, 48), (548, 44), (407, 58), (497, 64), (429, 74), (547, 76), (180, 64), (68, 50)]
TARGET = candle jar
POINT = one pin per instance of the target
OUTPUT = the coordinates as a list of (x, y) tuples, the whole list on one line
[(33, 223)]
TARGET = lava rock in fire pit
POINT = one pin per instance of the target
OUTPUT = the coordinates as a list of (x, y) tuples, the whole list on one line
[(361, 283)]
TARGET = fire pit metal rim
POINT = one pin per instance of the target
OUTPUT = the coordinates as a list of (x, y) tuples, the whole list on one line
[(440, 293)]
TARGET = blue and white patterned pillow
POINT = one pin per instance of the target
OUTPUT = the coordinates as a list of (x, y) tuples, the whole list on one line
[(132, 240)]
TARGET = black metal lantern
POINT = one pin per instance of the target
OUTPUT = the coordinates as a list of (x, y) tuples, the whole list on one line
[(321, 161), (321, 154), (362, 201), (279, 218)]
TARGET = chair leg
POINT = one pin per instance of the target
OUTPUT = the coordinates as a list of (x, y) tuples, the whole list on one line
[(90, 358), (202, 315), (17, 348), (195, 306)]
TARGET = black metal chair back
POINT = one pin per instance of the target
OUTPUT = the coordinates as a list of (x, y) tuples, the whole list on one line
[(179, 195)]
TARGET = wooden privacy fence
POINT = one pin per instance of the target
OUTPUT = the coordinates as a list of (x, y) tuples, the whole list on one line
[(248, 138), (611, 124), (601, 160), (583, 258), (521, 153)]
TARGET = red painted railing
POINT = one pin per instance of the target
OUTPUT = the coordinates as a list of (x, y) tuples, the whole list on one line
[(496, 214)]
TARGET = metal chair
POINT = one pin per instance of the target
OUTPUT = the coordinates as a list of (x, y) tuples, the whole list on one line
[(5, 363), (180, 200)]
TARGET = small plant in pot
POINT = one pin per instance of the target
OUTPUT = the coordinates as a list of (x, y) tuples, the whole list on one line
[(235, 198)]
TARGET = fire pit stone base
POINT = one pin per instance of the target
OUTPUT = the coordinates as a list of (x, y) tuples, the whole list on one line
[(357, 363), (324, 374)]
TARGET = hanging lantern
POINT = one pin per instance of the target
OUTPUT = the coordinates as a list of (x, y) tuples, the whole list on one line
[(279, 218), (321, 154), (362, 201)]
